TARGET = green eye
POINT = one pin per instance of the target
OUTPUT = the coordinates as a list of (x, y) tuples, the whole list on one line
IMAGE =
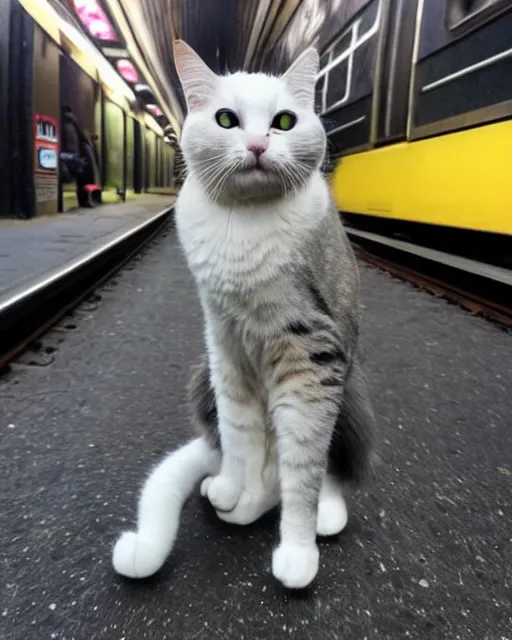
[(227, 119), (284, 121)]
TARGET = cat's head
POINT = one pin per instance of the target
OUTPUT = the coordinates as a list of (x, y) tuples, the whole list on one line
[(250, 136)]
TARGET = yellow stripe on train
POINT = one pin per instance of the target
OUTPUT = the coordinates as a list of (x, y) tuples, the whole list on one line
[(461, 179)]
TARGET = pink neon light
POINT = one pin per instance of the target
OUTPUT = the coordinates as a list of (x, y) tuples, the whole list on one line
[(95, 20), (127, 70), (156, 111)]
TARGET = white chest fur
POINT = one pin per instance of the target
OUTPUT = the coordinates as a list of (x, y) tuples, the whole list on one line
[(239, 251)]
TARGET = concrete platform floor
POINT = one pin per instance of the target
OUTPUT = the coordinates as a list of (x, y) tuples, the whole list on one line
[(30, 248), (427, 553)]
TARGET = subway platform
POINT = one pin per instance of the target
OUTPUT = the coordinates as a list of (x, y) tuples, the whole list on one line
[(31, 248), (427, 553)]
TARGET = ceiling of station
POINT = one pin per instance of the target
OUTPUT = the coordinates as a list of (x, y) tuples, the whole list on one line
[(228, 34)]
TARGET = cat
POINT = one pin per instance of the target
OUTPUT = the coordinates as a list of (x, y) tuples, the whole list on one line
[(281, 398)]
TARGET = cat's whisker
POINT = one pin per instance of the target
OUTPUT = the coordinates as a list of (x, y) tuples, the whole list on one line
[(210, 159), (224, 178), (283, 174), (217, 171), (290, 177), (212, 173), (211, 169), (213, 180)]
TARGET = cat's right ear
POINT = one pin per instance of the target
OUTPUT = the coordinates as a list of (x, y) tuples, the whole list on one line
[(301, 77), (197, 79)]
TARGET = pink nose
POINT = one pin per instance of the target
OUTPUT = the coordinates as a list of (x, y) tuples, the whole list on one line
[(258, 146)]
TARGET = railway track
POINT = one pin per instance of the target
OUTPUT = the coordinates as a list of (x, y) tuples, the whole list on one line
[(478, 287), (29, 311)]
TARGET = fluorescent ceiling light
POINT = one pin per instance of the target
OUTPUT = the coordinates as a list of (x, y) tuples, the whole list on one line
[(155, 110), (127, 71), (95, 20), (139, 88), (111, 52)]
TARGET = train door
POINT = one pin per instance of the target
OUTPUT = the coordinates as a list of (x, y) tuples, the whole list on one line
[(394, 66), (364, 81)]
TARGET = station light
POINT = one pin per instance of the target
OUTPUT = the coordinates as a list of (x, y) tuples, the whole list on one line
[(155, 110), (127, 71), (139, 88), (95, 20), (115, 52)]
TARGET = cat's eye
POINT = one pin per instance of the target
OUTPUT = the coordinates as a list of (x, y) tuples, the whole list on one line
[(284, 121), (227, 119)]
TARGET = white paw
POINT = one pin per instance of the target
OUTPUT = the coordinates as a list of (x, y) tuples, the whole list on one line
[(295, 565), (332, 516), (250, 507), (222, 492), (135, 557), (204, 486)]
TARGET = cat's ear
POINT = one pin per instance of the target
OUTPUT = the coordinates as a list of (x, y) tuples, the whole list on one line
[(197, 79), (301, 77)]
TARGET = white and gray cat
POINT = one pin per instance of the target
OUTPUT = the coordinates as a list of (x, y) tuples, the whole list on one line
[(281, 398)]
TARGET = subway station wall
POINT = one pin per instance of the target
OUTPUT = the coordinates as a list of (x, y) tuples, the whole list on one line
[(115, 157), (46, 103), (39, 78)]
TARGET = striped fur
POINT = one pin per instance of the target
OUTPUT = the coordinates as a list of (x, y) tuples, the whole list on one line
[(350, 451)]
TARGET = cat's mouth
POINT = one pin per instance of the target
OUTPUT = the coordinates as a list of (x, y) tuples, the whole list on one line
[(256, 166)]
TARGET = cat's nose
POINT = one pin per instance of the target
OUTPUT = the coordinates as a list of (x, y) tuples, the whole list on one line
[(258, 146)]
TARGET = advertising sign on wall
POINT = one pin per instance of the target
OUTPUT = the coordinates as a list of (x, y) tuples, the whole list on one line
[(46, 158)]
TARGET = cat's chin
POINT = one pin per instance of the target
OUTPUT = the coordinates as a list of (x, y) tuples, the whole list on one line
[(258, 183), (255, 183)]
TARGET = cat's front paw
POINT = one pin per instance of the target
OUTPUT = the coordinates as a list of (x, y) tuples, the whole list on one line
[(295, 565), (136, 557), (221, 491)]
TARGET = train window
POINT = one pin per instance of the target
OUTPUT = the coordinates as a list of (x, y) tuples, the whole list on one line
[(324, 60), (336, 75), (343, 44), (319, 93), (337, 92), (337, 56), (466, 12), (369, 18)]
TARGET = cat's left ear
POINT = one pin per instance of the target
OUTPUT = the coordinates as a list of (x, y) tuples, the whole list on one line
[(301, 77), (197, 79)]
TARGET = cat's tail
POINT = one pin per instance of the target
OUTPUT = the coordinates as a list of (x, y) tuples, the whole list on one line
[(352, 457), (141, 553)]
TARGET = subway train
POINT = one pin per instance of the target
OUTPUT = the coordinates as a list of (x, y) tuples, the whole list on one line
[(416, 99)]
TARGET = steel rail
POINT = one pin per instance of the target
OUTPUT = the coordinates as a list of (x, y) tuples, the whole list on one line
[(29, 311)]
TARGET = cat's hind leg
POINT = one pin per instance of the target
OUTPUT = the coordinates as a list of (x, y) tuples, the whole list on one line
[(141, 553), (241, 429), (261, 488), (240, 421), (247, 485), (332, 509)]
